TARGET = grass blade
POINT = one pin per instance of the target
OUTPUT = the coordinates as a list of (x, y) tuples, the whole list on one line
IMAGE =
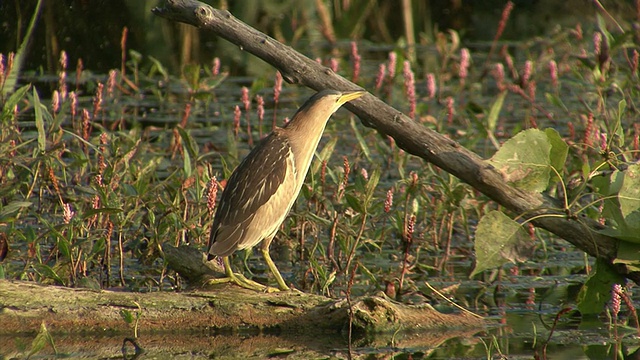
[(42, 136), (363, 144)]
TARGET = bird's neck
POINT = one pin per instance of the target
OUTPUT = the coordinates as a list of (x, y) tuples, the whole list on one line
[(304, 136)]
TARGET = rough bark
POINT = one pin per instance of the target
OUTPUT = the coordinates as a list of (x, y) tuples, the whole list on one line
[(219, 308), (371, 314), (207, 324), (410, 135), (229, 309)]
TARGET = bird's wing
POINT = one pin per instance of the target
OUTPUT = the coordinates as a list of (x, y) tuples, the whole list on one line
[(251, 186)]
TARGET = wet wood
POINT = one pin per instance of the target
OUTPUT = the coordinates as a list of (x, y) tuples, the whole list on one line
[(205, 345), (215, 309), (219, 308), (410, 135)]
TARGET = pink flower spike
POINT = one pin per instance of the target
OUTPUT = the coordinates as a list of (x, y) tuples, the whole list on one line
[(86, 125), (603, 141), (409, 88), (355, 57), (364, 173), (215, 69), (577, 32), (588, 131), (382, 69), (97, 100), (391, 67), (10, 60), (73, 99), (450, 110), (245, 98), (465, 59), (62, 75), (111, 82), (260, 102), (615, 299), (333, 64), (212, 193), (431, 85), (509, 62), (506, 12), (597, 43), (572, 131), (526, 73), (531, 88), (498, 75), (79, 69), (414, 178), (55, 102), (277, 87), (63, 60), (388, 202), (237, 113), (410, 228), (68, 213)]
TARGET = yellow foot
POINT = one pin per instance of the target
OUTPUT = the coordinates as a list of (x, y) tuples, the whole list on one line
[(242, 281)]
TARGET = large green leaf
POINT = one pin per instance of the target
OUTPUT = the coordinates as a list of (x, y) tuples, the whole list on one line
[(622, 208), (500, 240), (524, 160), (629, 255), (596, 292), (559, 150), (629, 198)]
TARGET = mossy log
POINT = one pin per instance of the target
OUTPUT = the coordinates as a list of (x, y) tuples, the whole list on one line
[(220, 308), (206, 321)]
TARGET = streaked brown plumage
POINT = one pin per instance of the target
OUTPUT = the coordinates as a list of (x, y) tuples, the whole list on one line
[(263, 188)]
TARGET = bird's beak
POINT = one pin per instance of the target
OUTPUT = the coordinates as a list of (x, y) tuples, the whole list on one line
[(350, 95)]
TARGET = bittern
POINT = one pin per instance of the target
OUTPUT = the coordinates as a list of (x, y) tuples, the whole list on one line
[(263, 188)]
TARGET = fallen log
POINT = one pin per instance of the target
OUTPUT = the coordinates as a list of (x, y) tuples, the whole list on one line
[(221, 308), (226, 308)]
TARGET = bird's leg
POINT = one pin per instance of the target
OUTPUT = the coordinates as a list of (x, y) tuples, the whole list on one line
[(240, 279), (272, 266)]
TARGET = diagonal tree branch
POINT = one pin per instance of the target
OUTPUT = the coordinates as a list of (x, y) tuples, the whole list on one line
[(408, 134)]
